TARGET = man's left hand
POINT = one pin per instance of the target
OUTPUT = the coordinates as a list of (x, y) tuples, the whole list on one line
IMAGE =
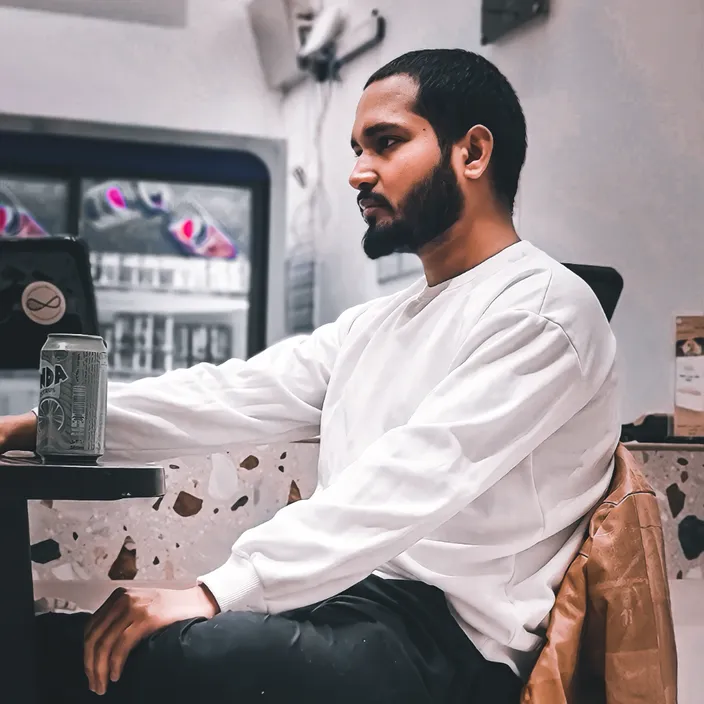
[(130, 615)]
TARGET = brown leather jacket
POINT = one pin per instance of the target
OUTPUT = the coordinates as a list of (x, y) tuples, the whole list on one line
[(610, 639)]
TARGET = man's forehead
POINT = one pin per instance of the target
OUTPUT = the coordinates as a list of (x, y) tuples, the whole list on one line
[(390, 100), (400, 89)]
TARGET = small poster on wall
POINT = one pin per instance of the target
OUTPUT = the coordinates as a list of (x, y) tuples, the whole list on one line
[(689, 379)]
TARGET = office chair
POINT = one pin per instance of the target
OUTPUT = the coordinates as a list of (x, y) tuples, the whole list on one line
[(605, 281)]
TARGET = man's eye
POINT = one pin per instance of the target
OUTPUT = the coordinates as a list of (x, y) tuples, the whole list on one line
[(386, 142)]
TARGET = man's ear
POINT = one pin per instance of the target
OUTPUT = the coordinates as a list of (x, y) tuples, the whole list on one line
[(477, 146)]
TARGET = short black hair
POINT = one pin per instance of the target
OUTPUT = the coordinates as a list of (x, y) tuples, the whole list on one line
[(458, 89)]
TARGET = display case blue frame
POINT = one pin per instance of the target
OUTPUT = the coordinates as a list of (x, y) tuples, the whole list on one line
[(74, 150)]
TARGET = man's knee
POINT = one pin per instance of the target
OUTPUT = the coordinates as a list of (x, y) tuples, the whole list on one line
[(231, 655), (231, 642)]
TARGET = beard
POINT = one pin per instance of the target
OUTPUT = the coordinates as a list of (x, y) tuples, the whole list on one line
[(431, 208)]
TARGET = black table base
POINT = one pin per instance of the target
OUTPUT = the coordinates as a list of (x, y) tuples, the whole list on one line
[(16, 604), (22, 478)]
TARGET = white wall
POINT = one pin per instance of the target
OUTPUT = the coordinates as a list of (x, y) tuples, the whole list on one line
[(614, 97), (205, 76)]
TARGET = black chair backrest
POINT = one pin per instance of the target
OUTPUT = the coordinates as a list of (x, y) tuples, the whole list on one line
[(45, 286), (605, 281)]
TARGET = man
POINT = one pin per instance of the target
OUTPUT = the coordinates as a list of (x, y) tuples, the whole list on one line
[(467, 428)]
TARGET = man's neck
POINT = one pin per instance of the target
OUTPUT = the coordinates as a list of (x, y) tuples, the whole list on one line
[(464, 246)]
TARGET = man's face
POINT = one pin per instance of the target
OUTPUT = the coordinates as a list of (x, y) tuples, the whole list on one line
[(408, 190)]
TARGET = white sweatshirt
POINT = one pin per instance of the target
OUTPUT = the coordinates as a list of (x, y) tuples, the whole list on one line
[(466, 430)]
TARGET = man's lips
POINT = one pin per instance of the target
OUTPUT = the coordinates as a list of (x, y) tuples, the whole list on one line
[(366, 205)]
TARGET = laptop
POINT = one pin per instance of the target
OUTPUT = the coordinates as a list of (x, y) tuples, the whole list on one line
[(45, 287)]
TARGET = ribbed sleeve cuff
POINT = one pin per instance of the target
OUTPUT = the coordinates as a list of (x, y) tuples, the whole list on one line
[(236, 586)]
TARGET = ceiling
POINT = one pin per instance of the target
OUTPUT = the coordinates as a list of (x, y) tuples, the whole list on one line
[(170, 13)]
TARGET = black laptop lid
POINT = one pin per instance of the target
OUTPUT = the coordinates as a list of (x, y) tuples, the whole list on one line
[(45, 287)]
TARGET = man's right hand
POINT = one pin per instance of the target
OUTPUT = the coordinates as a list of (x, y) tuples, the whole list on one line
[(18, 432)]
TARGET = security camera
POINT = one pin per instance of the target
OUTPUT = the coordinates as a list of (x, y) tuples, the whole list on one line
[(327, 27)]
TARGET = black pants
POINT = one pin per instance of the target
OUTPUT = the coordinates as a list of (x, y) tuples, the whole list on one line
[(378, 642)]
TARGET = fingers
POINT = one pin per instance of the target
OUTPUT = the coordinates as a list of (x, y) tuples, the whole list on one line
[(106, 625), (124, 645), (100, 670), (98, 616)]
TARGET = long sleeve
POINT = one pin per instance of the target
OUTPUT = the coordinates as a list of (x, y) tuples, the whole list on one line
[(274, 396), (517, 382)]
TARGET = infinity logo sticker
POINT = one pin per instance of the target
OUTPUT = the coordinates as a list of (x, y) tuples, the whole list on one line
[(43, 303)]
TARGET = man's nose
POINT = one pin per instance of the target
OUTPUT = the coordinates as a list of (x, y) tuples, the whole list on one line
[(363, 177)]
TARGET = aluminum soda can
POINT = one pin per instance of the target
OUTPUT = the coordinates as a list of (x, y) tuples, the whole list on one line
[(73, 385)]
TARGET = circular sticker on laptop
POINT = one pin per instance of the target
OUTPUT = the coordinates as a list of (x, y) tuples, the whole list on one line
[(43, 303)]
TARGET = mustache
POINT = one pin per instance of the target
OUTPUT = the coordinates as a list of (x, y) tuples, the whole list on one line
[(370, 199)]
